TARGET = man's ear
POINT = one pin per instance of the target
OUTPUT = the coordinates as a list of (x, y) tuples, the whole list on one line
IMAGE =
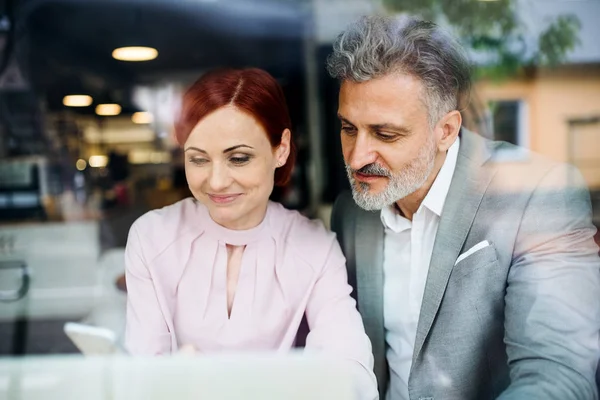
[(448, 128)]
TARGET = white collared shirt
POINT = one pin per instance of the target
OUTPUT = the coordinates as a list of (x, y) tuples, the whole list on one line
[(408, 246)]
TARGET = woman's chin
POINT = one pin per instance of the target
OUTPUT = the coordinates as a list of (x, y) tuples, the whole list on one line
[(223, 215)]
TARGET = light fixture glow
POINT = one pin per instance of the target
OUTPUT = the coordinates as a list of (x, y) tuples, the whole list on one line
[(98, 161), (77, 100), (80, 164), (135, 53), (108, 109), (139, 156), (142, 117)]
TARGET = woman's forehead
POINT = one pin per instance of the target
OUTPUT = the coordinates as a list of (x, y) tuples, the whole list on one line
[(227, 127)]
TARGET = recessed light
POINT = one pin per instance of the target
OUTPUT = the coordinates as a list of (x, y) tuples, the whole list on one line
[(77, 100), (108, 109), (98, 161), (142, 117), (135, 53)]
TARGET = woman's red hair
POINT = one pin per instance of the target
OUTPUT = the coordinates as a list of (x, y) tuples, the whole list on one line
[(251, 90)]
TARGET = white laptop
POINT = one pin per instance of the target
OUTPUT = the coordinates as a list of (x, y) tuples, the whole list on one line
[(270, 376)]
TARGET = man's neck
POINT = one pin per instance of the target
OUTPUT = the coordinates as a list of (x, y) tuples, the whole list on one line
[(409, 205)]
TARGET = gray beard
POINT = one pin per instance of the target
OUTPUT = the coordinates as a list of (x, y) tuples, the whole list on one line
[(400, 185)]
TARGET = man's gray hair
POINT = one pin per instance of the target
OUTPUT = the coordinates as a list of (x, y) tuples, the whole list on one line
[(375, 46)]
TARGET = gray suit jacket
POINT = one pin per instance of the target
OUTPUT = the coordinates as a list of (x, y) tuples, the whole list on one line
[(518, 319)]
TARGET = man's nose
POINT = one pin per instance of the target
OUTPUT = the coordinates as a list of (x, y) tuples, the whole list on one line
[(361, 152)]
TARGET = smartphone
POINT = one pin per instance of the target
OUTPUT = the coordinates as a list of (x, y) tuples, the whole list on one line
[(93, 340)]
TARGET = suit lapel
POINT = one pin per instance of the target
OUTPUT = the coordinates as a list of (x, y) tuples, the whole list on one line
[(369, 282), (468, 186)]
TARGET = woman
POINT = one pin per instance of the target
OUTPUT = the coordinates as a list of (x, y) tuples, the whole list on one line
[(228, 269)]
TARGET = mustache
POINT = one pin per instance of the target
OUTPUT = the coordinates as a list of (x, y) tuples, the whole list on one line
[(372, 169)]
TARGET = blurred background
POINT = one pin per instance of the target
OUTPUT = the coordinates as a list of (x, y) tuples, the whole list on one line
[(86, 141)]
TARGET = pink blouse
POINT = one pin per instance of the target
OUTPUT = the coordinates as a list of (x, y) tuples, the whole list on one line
[(176, 267)]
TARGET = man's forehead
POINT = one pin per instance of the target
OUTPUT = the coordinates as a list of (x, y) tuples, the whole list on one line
[(396, 80), (389, 89)]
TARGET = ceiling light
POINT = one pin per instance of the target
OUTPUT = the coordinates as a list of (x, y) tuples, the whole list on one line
[(147, 156), (108, 109), (142, 117), (98, 161), (77, 100), (80, 164), (135, 53)]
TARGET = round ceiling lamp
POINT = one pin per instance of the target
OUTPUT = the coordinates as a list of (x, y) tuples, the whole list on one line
[(135, 53), (108, 109), (81, 164), (77, 100)]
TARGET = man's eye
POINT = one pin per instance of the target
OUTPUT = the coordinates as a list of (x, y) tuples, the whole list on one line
[(385, 137), (349, 130)]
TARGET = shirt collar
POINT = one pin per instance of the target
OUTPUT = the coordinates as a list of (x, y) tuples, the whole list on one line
[(392, 219), (435, 198)]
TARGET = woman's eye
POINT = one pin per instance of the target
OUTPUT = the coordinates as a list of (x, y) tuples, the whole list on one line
[(239, 160), (198, 161)]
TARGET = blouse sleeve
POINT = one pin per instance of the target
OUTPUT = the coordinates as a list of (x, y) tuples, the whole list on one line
[(146, 330), (336, 326)]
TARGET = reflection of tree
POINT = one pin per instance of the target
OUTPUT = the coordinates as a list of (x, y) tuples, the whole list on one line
[(494, 30), (502, 43)]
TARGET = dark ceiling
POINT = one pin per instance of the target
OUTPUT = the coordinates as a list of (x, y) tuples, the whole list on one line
[(65, 46)]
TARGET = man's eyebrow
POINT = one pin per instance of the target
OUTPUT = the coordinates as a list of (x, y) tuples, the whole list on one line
[(377, 127), (344, 120), (388, 126)]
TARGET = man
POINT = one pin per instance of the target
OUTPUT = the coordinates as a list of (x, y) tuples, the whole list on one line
[(476, 278)]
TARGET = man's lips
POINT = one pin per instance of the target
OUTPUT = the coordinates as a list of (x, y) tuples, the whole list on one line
[(223, 198), (367, 177)]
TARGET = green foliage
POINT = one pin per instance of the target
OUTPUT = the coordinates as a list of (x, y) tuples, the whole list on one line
[(494, 30), (558, 39)]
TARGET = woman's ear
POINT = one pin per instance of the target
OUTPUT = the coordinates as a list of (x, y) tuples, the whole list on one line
[(283, 150)]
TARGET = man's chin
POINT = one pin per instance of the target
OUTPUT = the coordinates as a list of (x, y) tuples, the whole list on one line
[(368, 201)]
